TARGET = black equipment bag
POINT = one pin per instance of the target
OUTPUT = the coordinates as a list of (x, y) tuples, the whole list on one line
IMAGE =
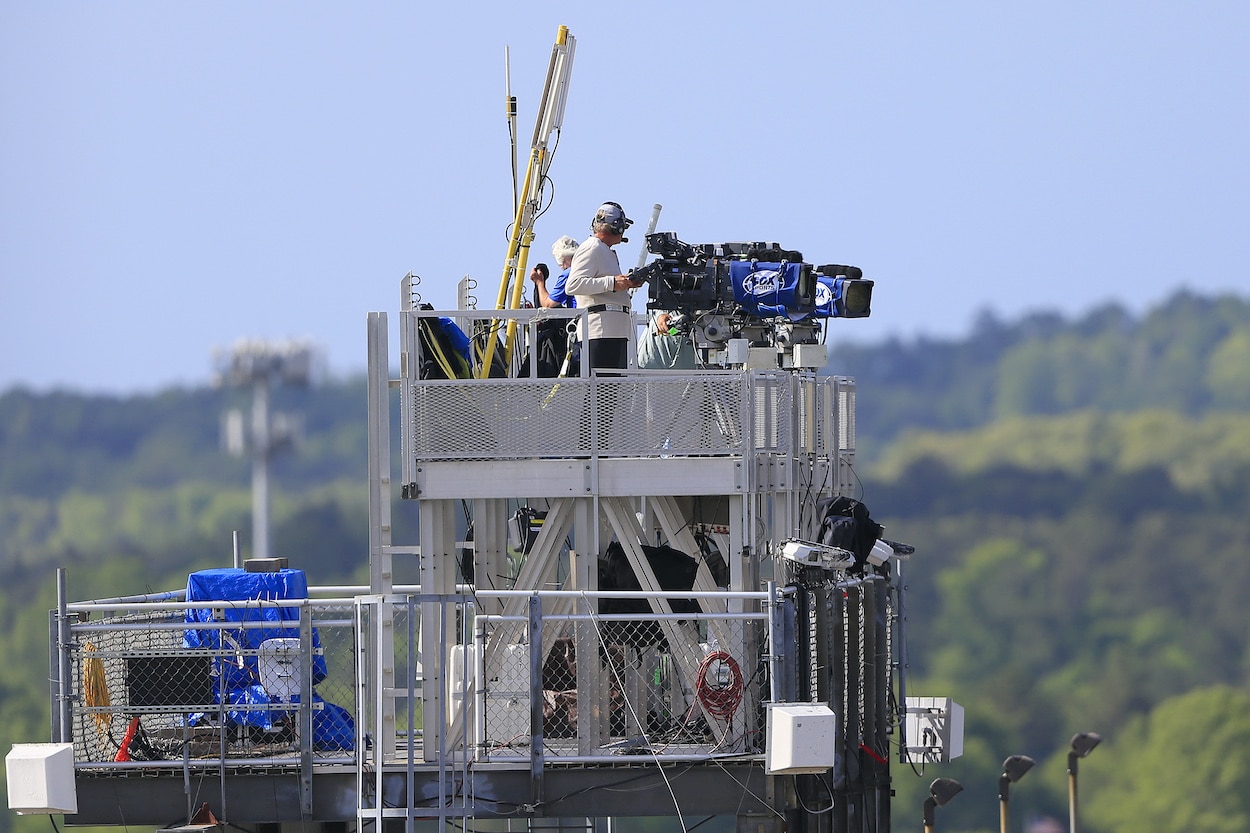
[(845, 523)]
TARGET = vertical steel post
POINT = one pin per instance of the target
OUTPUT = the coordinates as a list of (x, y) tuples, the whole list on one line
[(1072, 768), (261, 451), (62, 728), (536, 698), (380, 581), (306, 712)]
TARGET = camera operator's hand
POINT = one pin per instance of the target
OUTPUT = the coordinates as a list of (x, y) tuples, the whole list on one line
[(627, 282)]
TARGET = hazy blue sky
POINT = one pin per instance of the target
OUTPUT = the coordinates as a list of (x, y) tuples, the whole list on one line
[(176, 175)]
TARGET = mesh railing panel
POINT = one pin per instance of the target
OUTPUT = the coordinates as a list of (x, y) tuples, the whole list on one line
[(510, 418), (773, 413), (846, 414), (139, 694)]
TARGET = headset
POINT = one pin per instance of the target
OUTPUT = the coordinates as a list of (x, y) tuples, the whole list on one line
[(612, 216)]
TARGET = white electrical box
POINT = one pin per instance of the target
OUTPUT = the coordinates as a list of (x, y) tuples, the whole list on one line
[(801, 737), (506, 695), (41, 778), (934, 729), (810, 355), (761, 358)]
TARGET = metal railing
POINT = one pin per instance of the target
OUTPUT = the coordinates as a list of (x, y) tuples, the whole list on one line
[(636, 413), (154, 684), (717, 413), (515, 684)]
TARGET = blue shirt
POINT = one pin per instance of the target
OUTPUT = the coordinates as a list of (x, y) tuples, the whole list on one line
[(555, 291)]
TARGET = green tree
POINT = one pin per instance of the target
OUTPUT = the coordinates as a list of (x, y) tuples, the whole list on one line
[(1228, 371), (1182, 767)]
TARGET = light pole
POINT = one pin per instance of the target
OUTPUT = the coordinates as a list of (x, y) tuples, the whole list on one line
[(260, 364), (1013, 770), (941, 791), (1082, 745)]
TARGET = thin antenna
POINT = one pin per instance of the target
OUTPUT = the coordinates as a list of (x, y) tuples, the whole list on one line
[(511, 107)]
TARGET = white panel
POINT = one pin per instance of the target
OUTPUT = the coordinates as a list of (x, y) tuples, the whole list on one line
[(810, 355), (507, 694), (41, 778), (502, 479), (934, 729)]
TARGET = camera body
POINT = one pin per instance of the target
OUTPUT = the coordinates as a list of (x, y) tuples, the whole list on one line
[(762, 292)]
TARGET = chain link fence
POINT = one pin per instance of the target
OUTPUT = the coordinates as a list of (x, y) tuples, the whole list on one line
[(152, 686), (656, 684)]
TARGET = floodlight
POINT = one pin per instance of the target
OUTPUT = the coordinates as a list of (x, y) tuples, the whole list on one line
[(1016, 766), (811, 554), (941, 791), (1014, 769), (1082, 744)]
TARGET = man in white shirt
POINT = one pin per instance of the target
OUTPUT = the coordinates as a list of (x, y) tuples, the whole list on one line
[(596, 281)]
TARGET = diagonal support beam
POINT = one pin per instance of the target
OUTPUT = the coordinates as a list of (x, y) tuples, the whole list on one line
[(683, 640)]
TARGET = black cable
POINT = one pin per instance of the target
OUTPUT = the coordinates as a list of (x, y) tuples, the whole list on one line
[(857, 480), (648, 773), (798, 794)]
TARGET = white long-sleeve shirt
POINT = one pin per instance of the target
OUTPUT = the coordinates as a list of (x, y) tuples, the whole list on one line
[(592, 278)]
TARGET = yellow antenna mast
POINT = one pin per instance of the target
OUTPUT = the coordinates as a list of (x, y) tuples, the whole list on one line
[(550, 118)]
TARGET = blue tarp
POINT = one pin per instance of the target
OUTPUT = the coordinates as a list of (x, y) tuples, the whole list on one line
[(238, 674)]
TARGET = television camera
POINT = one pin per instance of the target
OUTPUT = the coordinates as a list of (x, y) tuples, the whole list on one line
[(760, 292)]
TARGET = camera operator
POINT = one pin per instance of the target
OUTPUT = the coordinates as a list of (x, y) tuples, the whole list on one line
[(595, 279)]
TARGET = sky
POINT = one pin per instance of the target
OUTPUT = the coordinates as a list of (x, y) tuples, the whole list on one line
[(177, 176)]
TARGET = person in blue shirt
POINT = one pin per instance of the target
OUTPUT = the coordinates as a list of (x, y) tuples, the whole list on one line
[(553, 295), (553, 344)]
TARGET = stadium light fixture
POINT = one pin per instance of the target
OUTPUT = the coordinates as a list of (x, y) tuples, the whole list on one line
[(1014, 769), (1082, 744), (941, 791)]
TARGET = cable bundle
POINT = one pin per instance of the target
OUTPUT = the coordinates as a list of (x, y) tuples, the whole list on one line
[(720, 698)]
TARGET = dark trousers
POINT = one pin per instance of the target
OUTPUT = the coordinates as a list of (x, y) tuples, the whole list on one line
[(608, 353)]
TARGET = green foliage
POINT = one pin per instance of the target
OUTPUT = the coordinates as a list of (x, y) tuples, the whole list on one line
[(1228, 372), (1199, 455), (1182, 767), (1189, 356)]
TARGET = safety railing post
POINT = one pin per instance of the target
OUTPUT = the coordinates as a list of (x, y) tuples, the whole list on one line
[(62, 727), (305, 712), (536, 698)]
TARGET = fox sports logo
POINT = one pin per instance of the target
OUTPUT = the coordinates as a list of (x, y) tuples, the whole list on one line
[(762, 282)]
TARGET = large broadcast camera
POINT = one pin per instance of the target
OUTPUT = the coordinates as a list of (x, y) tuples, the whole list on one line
[(757, 291)]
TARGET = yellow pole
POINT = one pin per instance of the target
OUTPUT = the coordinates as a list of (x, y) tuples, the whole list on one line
[(514, 245), (522, 227)]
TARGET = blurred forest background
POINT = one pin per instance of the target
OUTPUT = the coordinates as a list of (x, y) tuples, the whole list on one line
[(1078, 492)]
